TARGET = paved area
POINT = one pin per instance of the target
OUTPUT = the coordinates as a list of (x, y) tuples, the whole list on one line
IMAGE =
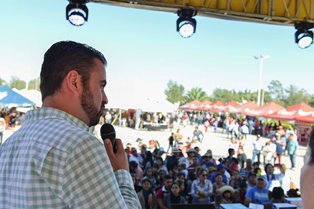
[(217, 142)]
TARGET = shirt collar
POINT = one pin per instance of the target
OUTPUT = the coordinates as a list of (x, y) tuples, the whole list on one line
[(52, 113)]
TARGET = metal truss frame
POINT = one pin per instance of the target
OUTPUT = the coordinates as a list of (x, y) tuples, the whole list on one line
[(280, 12)]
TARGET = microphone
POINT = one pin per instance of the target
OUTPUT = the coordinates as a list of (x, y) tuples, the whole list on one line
[(107, 132)]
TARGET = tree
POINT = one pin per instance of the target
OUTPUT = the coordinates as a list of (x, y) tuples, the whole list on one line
[(267, 97), (34, 84), (311, 101), (276, 90), (247, 95), (295, 95), (225, 95), (17, 83), (174, 92), (196, 94), (2, 82)]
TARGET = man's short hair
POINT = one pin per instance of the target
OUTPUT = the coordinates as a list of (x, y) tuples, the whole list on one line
[(62, 57)]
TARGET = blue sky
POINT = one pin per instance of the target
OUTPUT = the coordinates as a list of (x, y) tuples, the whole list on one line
[(144, 51)]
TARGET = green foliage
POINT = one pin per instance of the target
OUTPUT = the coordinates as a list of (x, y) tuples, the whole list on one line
[(196, 94), (225, 95), (296, 95), (247, 95), (284, 124), (276, 90), (17, 83), (34, 84), (2, 82), (276, 93), (311, 101), (216, 114), (233, 115)]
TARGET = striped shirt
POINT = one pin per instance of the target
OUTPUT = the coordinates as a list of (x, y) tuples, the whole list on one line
[(52, 161)]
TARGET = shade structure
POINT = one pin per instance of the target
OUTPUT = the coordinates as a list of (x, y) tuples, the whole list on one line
[(206, 105), (231, 107), (306, 119), (270, 108), (10, 98), (193, 105), (33, 95), (137, 101), (251, 109), (217, 106), (294, 112)]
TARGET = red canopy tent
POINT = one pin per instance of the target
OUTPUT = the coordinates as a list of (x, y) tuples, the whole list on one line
[(217, 106), (193, 105), (307, 119), (232, 107), (206, 105), (294, 112), (251, 109), (271, 108)]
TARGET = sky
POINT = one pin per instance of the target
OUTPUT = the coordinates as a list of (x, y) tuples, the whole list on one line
[(144, 51)]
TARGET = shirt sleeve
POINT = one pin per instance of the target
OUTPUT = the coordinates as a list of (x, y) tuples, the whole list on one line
[(249, 194), (90, 182)]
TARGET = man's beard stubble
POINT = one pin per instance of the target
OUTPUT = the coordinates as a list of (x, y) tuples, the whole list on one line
[(90, 109)]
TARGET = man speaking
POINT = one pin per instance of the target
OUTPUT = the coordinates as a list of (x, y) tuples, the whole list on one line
[(52, 161)]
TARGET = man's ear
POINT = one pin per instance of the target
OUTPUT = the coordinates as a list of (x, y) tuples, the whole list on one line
[(73, 81)]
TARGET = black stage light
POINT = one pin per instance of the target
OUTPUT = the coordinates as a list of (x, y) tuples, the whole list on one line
[(186, 25), (77, 12), (303, 36)]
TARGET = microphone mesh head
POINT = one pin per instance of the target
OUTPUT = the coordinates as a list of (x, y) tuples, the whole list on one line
[(107, 131)]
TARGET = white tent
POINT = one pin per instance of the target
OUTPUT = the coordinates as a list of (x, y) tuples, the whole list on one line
[(140, 101), (33, 95)]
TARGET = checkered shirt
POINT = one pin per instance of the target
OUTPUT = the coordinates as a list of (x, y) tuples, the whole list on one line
[(52, 161)]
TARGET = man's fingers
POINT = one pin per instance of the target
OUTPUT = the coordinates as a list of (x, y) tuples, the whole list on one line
[(108, 147), (119, 145)]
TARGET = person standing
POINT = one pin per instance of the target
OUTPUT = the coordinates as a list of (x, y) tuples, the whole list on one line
[(280, 147), (198, 134), (257, 149), (292, 147), (170, 141), (53, 161)]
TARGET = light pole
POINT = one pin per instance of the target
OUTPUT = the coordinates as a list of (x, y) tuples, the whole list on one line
[(261, 58)]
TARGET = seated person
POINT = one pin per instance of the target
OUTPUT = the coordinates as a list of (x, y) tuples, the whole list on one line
[(278, 196), (257, 194)]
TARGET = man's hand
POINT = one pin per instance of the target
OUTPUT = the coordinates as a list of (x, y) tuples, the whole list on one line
[(119, 159)]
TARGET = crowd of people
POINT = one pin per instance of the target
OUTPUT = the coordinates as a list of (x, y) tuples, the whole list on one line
[(181, 174)]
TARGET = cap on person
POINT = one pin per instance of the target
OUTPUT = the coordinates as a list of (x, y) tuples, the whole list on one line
[(260, 178), (161, 150), (176, 150), (211, 169), (221, 166), (146, 179), (191, 150)]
